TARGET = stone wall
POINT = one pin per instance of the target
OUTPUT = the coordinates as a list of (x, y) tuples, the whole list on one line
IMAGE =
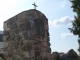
[(26, 36)]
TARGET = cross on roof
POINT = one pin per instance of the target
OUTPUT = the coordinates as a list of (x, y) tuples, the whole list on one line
[(35, 5)]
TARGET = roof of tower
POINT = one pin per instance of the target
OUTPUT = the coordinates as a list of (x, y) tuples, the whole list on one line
[(32, 12)]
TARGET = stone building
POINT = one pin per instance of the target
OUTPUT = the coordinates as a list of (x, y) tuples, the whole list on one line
[(26, 36)]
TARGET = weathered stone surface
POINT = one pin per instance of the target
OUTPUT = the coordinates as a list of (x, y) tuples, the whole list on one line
[(6, 44), (48, 43), (6, 32), (48, 50), (10, 53), (32, 54), (37, 48), (49, 55), (44, 49), (16, 44), (47, 32), (27, 54), (17, 57), (44, 54), (45, 43), (26, 36), (14, 51), (38, 58), (27, 47), (48, 38), (5, 26), (13, 26), (46, 58), (45, 39)]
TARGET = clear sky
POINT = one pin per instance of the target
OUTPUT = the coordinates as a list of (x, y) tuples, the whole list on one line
[(59, 14)]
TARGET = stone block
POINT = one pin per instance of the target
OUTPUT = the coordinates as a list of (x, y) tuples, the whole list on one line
[(5, 48), (25, 58), (11, 21), (14, 52), (5, 26), (13, 26), (10, 48), (22, 15), (16, 31), (43, 49), (44, 54), (36, 42), (49, 59), (10, 43), (17, 57), (10, 54), (27, 54), (48, 50), (31, 35), (38, 58), (26, 41), (6, 32), (49, 55), (27, 47), (11, 33), (7, 29), (37, 48), (4, 38), (23, 26), (32, 53), (32, 58), (16, 44), (45, 58), (22, 35), (28, 34), (6, 54), (18, 38), (45, 43), (45, 39), (28, 25), (25, 34), (5, 44)]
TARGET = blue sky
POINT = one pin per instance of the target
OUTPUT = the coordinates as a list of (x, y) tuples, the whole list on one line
[(59, 14)]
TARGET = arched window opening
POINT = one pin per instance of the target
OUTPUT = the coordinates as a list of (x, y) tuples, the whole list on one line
[(39, 27)]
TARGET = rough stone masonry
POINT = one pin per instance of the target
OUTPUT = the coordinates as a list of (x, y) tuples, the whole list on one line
[(26, 37)]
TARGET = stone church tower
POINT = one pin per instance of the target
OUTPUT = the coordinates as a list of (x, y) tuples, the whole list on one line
[(26, 37)]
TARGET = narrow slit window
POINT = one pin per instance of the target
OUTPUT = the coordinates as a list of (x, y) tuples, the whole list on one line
[(39, 27)]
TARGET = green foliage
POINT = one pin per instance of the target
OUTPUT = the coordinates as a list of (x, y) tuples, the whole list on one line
[(1, 58), (76, 22)]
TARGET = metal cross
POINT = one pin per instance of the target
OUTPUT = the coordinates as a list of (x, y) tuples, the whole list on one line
[(35, 5)]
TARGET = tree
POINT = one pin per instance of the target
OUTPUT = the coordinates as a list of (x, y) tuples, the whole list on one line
[(76, 22)]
